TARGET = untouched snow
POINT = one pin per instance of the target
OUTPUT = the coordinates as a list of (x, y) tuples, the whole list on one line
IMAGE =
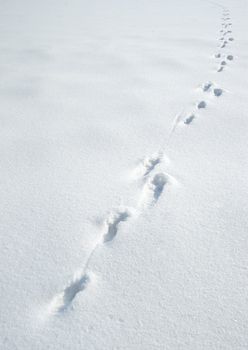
[(124, 175)]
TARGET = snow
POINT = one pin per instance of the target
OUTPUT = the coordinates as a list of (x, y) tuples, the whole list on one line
[(123, 175)]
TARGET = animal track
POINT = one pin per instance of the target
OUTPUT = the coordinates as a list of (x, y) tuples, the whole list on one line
[(218, 92), (157, 185), (220, 69), (201, 104), (63, 300), (217, 55), (207, 86), (229, 57), (153, 189), (188, 120), (147, 165), (223, 63), (113, 222), (231, 39)]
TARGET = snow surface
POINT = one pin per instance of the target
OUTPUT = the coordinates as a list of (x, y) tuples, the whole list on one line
[(124, 174)]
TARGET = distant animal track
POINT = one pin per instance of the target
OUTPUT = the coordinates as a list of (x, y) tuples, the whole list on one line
[(231, 39), (113, 222), (189, 119), (218, 92), (206, 86), (217, 55), (229, 57), (220, 69), (223, 63), (201, 104), (63, 300)]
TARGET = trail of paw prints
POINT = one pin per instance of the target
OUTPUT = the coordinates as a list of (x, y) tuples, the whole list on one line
[(225, 39), (210, 90), (82, 279), (154, 184), (151, 192)]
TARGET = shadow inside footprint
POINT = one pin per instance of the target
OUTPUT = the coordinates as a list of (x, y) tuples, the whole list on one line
[(112, 224), (158, 182), (63, 300), (201, 105), (78, 285), (206, 86), (150, 164), (218, 92), (189, 119)]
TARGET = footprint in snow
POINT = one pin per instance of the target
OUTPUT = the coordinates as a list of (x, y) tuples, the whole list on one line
[(206, 86), (218, 92), (63, 300), (231, 39), (112, 224), (201, 104), (220, 69), (188, 120), (229, 57), (217, 55), (147, 165), (153, 189)]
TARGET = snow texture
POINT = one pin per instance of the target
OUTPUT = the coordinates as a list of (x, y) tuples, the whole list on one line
[(124, 175)]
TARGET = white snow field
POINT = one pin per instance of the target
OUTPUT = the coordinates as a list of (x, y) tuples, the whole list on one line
[(124, 174)]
